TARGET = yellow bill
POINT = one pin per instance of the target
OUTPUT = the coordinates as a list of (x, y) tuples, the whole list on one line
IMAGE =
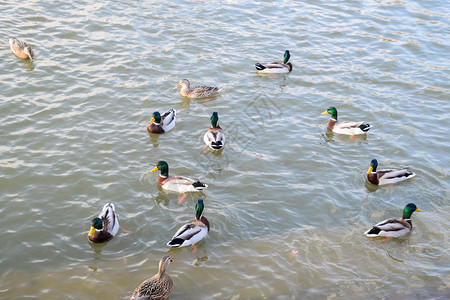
[(91, 232)]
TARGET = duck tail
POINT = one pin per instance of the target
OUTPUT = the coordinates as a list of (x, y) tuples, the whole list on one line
[(374, 231), (217, 145), (409, 174), (177, 242), (199, 185), (259, 66), (365, 127)]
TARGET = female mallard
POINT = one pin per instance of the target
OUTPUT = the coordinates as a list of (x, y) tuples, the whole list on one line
[(157, 287), (276, 67), (176, 183), (394, 227), (192, 233), (21, 49), (196, 92), (383, 177), (106, 226), (350, 128), (162, 123), (214, 137)]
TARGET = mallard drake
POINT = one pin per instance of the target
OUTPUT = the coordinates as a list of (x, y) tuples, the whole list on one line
[(157, 287), (162, 123), (202, 91), (350, 128), (383, 177), (214, 137), (105, 226), (276, 67), (21, 49), (176, 183), (192, 233), (394, 227)]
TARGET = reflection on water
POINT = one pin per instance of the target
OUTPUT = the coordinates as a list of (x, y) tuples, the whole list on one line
[(330, 136), (371, 187), (162, 198), (154, 139)]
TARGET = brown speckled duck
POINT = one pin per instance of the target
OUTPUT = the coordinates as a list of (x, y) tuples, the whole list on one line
[(21, 49), (202, 91), (157, 287)]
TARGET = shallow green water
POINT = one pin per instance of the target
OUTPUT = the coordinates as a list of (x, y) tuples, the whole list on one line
[(287, 201)]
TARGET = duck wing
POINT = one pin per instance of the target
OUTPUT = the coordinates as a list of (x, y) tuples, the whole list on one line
[(348, 125), (188, 234), (109, 219), (168, 119), (182, 184), (214, 138), (394, 176), (204, 91), (389, 227)]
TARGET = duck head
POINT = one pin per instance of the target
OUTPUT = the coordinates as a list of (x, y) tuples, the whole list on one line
[(156, 118), (332, 111), (163, 167)]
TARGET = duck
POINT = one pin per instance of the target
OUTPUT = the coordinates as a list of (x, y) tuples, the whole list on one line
[(349, 128), (162, 123), (157, 287), (276, 67), (105, 226), (202, 91), (192, 233), (21, 49), (178, 184), (394, 227), (214, 137), (390, 176)]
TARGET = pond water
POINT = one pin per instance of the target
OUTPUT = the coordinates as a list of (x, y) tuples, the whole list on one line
[(288, 201)]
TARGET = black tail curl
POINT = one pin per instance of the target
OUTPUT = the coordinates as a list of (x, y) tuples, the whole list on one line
[(365, 127), (198, 184), (259, 66)]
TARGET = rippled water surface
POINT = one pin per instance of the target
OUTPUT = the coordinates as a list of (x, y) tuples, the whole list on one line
[(287, 201)]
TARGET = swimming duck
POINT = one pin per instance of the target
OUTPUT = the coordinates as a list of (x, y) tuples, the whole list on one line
[(162, 123), (202, 91), (105, 226), (192, 233), (21, 49), (350, 128), (390, 176), (276, 67), (157, 287), (176, 183), (214, 137), (394, 227)]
